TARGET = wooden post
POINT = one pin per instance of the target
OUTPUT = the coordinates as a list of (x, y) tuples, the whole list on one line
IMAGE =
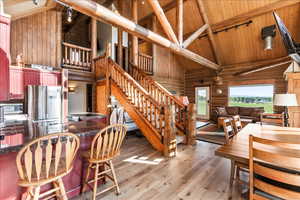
[(65, 95), (108, 92), (169, 137), (120, 36), (135, 42), (180, 21), (94, 40), (191, 124)]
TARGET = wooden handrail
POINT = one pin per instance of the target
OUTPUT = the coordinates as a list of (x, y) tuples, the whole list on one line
[(156, 84), (161, 95), (145, 63), (76, 46), (76, 57)]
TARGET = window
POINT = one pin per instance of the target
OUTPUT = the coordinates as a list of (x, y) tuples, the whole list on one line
[(252, 96)]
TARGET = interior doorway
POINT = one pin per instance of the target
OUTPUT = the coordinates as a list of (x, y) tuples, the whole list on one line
[(202, 98)]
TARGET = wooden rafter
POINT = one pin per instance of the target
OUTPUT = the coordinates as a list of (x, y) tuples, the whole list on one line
[(99, 12), (210, 32), (165, 8), (180, 21), (163, 20), (195, 35)]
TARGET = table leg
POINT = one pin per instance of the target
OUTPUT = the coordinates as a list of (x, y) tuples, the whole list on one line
[(232, 172)]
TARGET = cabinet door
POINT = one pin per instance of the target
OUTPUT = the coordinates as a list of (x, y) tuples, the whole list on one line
[(50, 78), (31, 77), (4, 57), (16, 88)]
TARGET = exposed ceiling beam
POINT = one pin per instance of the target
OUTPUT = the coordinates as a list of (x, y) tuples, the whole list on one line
[(101, 13), (194, 36), (258, 69), (179, 16), (165, 8), (163, 20), (210, 32)]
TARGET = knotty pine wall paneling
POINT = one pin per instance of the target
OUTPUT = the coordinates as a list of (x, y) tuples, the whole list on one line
[(38, 38)]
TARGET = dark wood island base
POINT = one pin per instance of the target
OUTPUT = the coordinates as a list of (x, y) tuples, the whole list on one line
[(12, 140)]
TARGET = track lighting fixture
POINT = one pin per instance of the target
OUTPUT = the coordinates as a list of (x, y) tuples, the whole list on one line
[(36, 2), (69, 14)]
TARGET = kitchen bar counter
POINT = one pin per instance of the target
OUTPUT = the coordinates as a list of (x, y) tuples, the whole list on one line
[(15, 135)]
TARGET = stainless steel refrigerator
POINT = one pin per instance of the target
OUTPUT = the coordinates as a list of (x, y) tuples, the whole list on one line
[(44, 102)]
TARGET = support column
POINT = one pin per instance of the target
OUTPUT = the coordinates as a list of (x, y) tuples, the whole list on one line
[(169, 137), (120, 37), (94, 40), (191, 124), (135, 44)]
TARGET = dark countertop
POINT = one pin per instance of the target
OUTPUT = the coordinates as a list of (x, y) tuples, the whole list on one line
[(14, 135)]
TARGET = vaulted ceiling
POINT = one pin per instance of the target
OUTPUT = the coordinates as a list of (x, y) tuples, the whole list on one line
[(237, 45)]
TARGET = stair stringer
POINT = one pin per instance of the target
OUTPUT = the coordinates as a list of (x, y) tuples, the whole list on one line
[(146, 128)]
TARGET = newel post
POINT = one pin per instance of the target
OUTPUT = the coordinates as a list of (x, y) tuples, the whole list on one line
[(191, 124), (169, 137)]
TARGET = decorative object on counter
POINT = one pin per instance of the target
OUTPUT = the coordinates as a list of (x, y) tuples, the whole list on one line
[(102, 153), (47, 160), (286, 100), (20, 61)]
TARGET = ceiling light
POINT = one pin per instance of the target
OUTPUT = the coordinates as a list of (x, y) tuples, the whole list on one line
[(143, 2), (267, 34), (69, 14)]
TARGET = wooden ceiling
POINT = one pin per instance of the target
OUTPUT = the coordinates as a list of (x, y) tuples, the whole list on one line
[(238, 45)]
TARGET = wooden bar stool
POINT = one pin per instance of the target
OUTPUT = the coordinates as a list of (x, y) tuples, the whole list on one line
[(105, 147), (46, 160)]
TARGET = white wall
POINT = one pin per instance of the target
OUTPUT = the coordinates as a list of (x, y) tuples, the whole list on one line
[(77, 100)]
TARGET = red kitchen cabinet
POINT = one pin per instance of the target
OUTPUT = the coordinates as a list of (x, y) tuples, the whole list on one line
[(4, 56), (20, 78)]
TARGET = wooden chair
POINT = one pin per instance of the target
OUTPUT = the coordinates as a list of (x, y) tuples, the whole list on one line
[(46, 160), (237, 124), (105, 147), (276, 119), (228, 130), (274, 169)]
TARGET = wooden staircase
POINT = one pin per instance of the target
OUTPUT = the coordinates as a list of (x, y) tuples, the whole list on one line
[(162, 96), (155, 119)]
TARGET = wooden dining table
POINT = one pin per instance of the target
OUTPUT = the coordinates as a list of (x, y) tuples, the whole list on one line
[(237, 150)]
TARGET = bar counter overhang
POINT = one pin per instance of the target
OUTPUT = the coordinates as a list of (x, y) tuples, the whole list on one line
[(15, 136)]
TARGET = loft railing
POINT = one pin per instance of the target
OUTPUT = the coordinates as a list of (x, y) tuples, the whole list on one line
[(161, 95), (76, 57), (145, 63)]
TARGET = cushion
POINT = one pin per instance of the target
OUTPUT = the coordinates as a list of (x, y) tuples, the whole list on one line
[(256, 112), (245, 111), (221, 111), (232, 110)]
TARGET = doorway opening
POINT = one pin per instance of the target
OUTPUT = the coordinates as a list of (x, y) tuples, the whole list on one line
[(202, 98)]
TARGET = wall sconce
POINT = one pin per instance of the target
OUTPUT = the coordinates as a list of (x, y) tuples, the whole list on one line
[(267, 34), (71, 89), (69, 14), (219, 91)]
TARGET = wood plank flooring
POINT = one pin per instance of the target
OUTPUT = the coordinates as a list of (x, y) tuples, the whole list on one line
[(196, 173)]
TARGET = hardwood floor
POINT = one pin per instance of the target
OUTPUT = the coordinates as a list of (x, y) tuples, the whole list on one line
[(196, 173)]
